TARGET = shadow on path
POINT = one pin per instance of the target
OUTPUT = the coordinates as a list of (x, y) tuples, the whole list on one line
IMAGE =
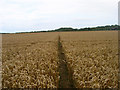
[(65, 77)]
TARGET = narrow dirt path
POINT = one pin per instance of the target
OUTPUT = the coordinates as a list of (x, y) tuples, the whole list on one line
[(65, 77)]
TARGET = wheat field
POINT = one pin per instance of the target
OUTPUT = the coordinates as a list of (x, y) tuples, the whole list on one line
[(31, 60), (93, 58)]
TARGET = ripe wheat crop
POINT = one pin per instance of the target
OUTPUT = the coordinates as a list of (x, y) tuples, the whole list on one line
[(93, 59), (31, 60), (31, 63)]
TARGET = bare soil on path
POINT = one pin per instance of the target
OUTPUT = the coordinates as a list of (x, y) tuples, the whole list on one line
[(65, 77)]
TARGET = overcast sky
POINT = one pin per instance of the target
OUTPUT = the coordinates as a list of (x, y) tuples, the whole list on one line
[(30, 15)]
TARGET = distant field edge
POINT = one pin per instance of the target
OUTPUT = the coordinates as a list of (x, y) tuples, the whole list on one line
[(57, 31)]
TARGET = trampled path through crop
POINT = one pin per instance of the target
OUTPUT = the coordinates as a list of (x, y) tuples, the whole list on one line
[(65, 77)]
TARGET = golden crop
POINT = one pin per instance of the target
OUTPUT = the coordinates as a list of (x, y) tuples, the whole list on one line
[(31, 65), (94, 62), (32, 61)]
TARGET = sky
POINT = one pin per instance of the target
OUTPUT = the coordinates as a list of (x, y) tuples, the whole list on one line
[(37, 15)]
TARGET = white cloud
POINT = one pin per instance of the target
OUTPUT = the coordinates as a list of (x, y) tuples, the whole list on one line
[(49, 14)]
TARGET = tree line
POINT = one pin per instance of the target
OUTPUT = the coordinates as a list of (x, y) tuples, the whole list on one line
[(98, 28)]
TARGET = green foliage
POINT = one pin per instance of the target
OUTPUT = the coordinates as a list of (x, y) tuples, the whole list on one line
[(99, 28)]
